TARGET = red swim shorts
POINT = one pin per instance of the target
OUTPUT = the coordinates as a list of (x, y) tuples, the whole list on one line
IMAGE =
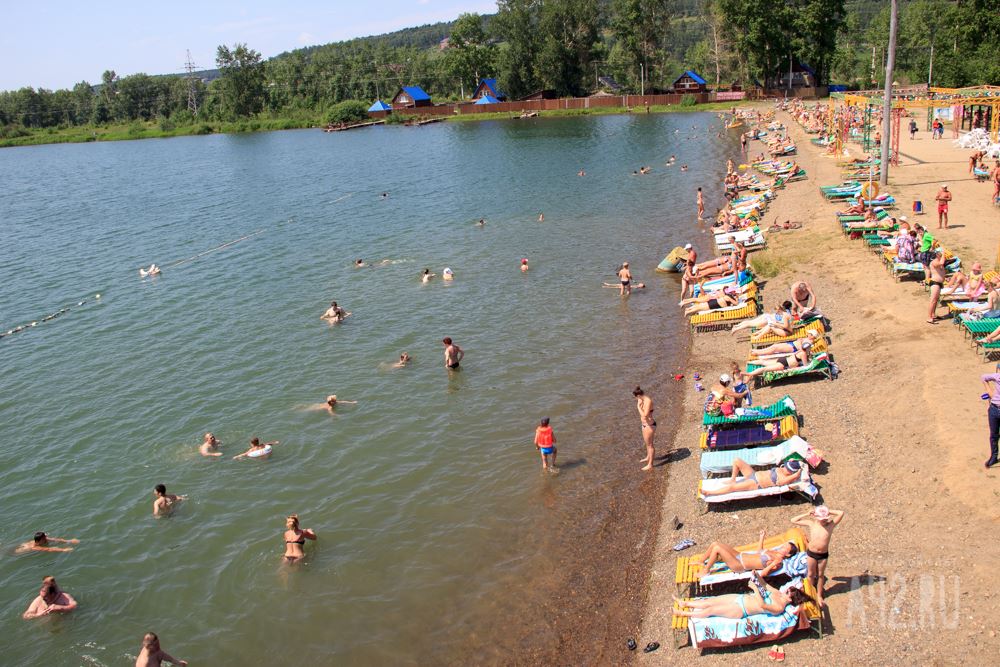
[(943, 207)]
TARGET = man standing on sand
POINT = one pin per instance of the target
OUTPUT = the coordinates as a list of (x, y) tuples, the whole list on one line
[(820, 522), (937, 275), (996, 180), (701, 205), (625, 276), (943, 197), (453, 354)]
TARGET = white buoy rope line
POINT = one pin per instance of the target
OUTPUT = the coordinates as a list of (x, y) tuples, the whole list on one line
[(151, 271)]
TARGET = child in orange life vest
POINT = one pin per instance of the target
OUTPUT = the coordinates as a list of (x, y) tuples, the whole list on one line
[(545, 441)]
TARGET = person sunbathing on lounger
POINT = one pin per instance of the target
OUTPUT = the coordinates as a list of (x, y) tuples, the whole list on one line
[(745, 478), (715, 301), (786, 362), (721, 266), (858, 208), (763, 599), (780, 323), (973, 284), (765, 560), (792, 347)]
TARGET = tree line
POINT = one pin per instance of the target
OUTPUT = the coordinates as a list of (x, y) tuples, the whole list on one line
[(558, 45)]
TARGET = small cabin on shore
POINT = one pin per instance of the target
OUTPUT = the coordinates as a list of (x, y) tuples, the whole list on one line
[(409, 97), (488, 88), (544, 94), (689, 82)]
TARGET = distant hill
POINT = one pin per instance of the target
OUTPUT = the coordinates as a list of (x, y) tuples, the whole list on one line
[(420, 37)]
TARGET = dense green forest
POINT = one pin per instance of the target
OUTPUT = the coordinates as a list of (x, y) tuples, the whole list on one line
[(562, 45)]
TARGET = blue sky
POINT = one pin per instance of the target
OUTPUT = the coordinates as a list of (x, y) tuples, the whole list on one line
[(57, 44)]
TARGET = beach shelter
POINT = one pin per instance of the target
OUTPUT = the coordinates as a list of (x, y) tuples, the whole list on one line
[(379, 106), (487, 99)]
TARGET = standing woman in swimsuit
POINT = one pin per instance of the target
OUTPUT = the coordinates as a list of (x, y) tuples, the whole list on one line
[(645, 406), (295, 539)]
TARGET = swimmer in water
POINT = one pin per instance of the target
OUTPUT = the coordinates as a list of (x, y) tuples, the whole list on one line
[(153, 270), (524, 265), (447, 274), (334, 314), (481, 223), (295, 539), (358, 263), (385, 195), (165, 502), (151, 655), (426, 276), (453, 354), (257, 450), (541, 217), (684, 167), (51, 600), (210, 446), (581, 173), (404, 359), (42, 542)]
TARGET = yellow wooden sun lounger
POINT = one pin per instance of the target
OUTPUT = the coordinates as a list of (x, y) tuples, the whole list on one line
[(688, 566), (799, 332), (810, 611), (723, 318)]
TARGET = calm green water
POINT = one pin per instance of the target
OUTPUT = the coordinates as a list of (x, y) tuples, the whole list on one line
[(435, 524)]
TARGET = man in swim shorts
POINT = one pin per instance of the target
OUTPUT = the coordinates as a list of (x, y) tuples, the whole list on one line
[(453, 354), (943, 197), (820, 523), (625, 276), (42, 542), (165, 502)]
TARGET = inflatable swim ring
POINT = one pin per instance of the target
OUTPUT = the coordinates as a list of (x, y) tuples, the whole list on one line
[(260, 453), (869, 190)]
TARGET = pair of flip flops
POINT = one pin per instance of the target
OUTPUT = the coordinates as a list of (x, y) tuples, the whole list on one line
[(684, 544), (776, 654), (650, 647)]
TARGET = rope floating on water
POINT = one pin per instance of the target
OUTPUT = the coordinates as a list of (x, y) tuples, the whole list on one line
[(47, 318), (224, 245)]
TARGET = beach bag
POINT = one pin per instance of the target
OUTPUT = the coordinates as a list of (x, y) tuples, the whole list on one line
[(727, 408)]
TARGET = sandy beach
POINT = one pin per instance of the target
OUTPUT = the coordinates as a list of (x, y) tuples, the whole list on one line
[(903, 429)]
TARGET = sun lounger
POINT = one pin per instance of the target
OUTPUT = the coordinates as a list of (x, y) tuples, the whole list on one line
[(802, 486), (818, 346), (723, 318), (715, 632), (798, 332), (688, 566), (721, 462), (820, 364), (976, 329), (749, 435), (783, 407), (755, 242), (844, 218)]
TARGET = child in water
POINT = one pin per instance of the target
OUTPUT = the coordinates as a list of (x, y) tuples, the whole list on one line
[(545, 441)]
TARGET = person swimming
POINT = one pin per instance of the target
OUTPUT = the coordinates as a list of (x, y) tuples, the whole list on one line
[(358, 263), (447, 274), (334, 314), (153, 270), (404, 359), (524, 264), (481, 223), (257, 450), (209, 446), (426, 276)]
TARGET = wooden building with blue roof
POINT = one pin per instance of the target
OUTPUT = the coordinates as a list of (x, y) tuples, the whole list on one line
[(689, 82), (488, 88), (409, 97)]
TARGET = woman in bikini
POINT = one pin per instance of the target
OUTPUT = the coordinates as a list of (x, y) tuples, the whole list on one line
[(784, 363), (295, 539), (721, 299), (745, 478), (787, 348), (763, 599), (644, 404), (765, 560), (972, 285), (706, 297)]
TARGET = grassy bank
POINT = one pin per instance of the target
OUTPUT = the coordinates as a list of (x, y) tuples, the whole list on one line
[(151, 130), (599, 111), (163, 129)]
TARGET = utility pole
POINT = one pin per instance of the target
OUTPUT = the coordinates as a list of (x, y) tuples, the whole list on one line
[(642, 79), (192, 93), (890, 65)]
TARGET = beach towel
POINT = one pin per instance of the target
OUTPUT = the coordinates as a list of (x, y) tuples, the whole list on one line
[(721, 462), (716, 632)]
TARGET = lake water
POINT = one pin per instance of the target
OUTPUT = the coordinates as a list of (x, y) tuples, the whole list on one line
[(437, 531)]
